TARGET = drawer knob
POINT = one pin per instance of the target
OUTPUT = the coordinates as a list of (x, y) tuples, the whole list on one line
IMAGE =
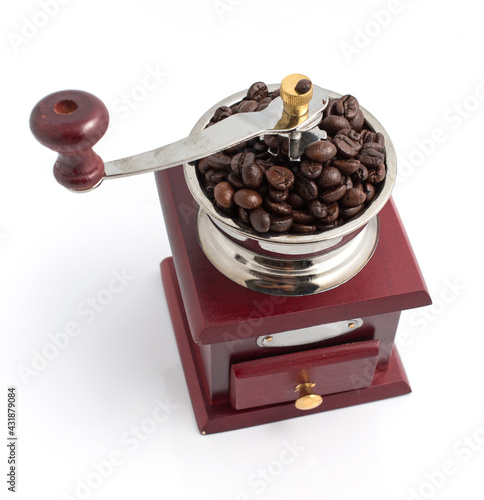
[(307, 399)]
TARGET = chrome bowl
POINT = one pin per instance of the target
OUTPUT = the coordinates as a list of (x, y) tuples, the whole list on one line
[(289, 264)]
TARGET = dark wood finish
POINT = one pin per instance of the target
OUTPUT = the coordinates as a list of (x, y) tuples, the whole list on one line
[(267, 381), (220, 416), (71, 122)]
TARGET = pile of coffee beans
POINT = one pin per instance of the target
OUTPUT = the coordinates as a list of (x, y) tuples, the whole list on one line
[(256, 183)]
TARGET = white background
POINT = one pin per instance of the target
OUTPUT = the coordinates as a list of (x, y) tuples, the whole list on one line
[(418, 69)]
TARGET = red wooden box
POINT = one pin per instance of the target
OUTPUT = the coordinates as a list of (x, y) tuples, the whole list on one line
[(235, 383)]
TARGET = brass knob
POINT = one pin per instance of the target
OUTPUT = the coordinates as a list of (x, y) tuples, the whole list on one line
[(296, 98), (307, 399)]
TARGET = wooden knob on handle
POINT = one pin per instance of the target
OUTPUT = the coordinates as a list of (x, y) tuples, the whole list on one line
[(71, 122)]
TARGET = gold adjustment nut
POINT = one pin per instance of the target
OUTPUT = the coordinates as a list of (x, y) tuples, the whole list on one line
[(307, 399), (296, 94)]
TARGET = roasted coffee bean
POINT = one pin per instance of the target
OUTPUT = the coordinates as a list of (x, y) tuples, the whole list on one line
[(215, 176), (272, 141), (373, 145), (330, 177), (260, 220), (347, 167), (203, 166), (265, 163), (303, 228), (334, 123), (276, 93), (318, 209), (358, 121), (224, 194), (219, 161), (326, 227), (333, 214), (303, 86), (320, 151), (352, 198), (360, 175), (329, 110), (209, 189), (220, 111), (311, 169), (236, 180), (276, 194), (348, 213), (345, 146), (295, 200), (369, 191), (243, 215), (277, 208), (281, 224), (240, 160), (371, 158), (376, 175), (257, 91), (247, 106), (302, 216), (306, 188), (263, 103), (347, 106), (252, 175), (280, 177), (248, 198), (333, 194)]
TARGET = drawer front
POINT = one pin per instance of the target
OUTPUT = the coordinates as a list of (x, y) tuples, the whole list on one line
[(273, 380)]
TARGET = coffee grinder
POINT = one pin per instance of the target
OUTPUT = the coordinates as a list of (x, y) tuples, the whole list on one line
[(268, 326)]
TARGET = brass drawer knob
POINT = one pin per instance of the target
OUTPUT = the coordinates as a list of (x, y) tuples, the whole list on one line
[(307, 399)]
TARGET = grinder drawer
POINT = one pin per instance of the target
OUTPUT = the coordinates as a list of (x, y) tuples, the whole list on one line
[(273, 380)]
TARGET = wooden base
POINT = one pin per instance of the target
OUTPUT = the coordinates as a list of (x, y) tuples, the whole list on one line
[(216, 416)]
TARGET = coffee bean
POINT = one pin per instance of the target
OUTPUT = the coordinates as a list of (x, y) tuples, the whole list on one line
[(281, 224), (277, 208), (295, 200), (209, 189), (358, 121), (280, 177), (302, 216), (333, 214), (311, 169), (257, 91), (352, 198), (371, 157), (222, 110), (242, 215), (303, 228), (260, 220), (219, 161), (360, 175), (277, 195), (334, 123), (276, 93), (345, 146), (236, 180), (330, 177), (247, 106), (247, 198), (369, 191), (214, 176), (224, 194), (348, 213), (203, 166), (320, 151), (240, 160), (347, 167), (252, 175), (303, 86), (306, 188), (347, 106), (263, 103), (377, 175), (333, 194), (318, 209)]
